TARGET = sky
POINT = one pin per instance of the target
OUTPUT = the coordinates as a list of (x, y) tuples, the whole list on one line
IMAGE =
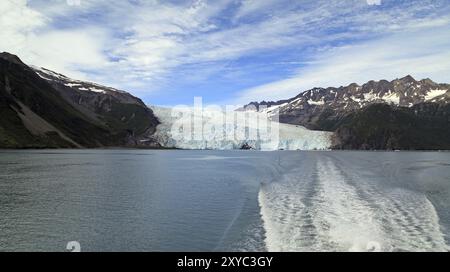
[(229, 52)]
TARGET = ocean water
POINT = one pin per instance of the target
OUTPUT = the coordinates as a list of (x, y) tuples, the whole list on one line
[(136, 200)]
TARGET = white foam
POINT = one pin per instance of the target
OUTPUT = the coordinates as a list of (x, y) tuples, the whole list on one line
[(342, 216), (330, 210)]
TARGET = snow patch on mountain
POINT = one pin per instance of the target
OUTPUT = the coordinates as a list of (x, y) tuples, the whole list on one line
[(392, 98), (312, 102), (73, 83), (434, 93)]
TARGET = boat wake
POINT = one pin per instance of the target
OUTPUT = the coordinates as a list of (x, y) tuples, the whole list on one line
[(321, 207)]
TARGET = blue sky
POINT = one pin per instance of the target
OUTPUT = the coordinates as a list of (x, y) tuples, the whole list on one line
[(229, 51)]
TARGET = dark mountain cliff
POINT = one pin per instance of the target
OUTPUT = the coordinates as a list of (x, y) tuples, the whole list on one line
[(42, 109)]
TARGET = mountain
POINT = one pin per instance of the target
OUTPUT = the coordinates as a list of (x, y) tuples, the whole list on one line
[(323, 108), (43, 109), (40, 108), (399, 114), (424, 126)]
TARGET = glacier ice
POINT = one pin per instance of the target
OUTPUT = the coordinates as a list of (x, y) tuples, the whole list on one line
[(188, 128)]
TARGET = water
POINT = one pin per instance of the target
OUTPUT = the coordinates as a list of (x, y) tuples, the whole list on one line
[(132, 200)]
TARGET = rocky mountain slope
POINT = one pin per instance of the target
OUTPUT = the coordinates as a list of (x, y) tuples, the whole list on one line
[(399, 114), (322, 108), (425, 126), (42, 109)]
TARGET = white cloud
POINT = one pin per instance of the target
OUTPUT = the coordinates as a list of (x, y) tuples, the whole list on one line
[(164, 36), (17, 22), (26, 32), (250, 7), (374, 2), (156, 38), (69, 51), (421, 53), (143, 44)]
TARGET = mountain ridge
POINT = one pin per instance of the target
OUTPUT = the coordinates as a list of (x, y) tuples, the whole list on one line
[(316, 107), (403, 114), (41, 109)]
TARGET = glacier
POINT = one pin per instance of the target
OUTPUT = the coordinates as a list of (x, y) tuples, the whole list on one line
[(188, 128)]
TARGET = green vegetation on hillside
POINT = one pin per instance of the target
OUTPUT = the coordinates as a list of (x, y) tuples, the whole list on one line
[(380, 126)]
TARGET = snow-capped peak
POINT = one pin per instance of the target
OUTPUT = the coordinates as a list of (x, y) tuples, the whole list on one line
[(79, 85), (403, 92)]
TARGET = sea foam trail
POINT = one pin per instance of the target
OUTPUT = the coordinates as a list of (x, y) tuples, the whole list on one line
[(346, 220), (409, 218), (321, 208)]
